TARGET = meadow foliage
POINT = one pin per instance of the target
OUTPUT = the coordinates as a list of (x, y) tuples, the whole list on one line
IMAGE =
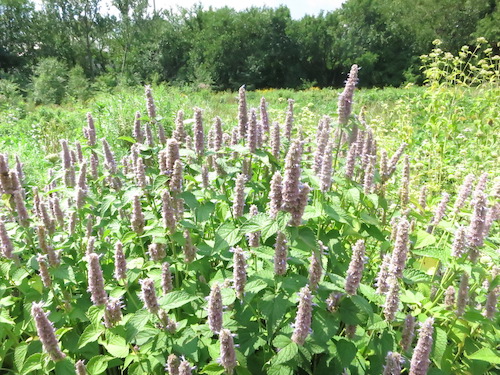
[(258, 244)]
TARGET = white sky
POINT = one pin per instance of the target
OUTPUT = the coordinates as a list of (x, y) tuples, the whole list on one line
[(298, 8)]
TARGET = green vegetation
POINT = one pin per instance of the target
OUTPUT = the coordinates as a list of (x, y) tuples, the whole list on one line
[(223, 49), (323, 271)]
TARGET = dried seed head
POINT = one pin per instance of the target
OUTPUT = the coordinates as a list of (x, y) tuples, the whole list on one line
[(326, 167), (43, 269), (120, 262), (6, 246), (112, 312), (475, 232), (173, 363), (137, 219), (254, 237), (400, 253), (291, 180), (439, 212), (252, 131), (275, 140), (215, 309), (459, 242), (281, 252), (89, 131), (185, 368), (227, 353), (449, 297), (355, 271), (300, 206), (46, 332), (369, 175), (240, 272), (303, 320), (315, 267), (166, 278), (199, 140), (80, 368), (351, 161), (150, 103), (275, 194), (393, 362), (345, 98), (239, 196), (392, 299), (408, 332), (148, 295), (490, 308), (188, 248), (420, 359), (464, 193), (242, 113), (177, 179), (383, 274), (168, 211), (463, 294), (140, 173), (96, 281), (322, 139), (156, 252)]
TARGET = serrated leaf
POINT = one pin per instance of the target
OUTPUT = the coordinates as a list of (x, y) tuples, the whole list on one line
[(116, 346), (347, 352), (227, 235), (440, 344), (136, 323), (34, 362), (204, 211), (355, 310), (127, 139), (487, 355), (286, 353), (65, 367), (107, 201), (90, 334), (98, 364), (353, 195), (423, 239), (20, 355), (175, 299), (280, 370), (213, 369), (255, 286), (95, 314)]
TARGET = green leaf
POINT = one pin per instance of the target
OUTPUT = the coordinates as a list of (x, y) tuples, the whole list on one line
[(440, 344), (280, 370), (355, 310), (136, 323), (190, 199), (255, 286), (336, 212), (204, 211), (20, 355), (90, 334), (213, 369), (487, 355), (286, 354), (274, 307), (95, 314), (34, 362), (98, 364), (128, 139), (306, 239), (353, 195), (175, 299), (434, 252), (65, 367), (107, 201), (116, 346), (347, 352), (423, 239), (281, 341), (227, 235)]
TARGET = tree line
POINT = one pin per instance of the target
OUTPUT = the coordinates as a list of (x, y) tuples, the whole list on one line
[(223, 49)]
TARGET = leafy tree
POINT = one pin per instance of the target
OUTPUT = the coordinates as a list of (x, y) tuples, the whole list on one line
[(49, 82)]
